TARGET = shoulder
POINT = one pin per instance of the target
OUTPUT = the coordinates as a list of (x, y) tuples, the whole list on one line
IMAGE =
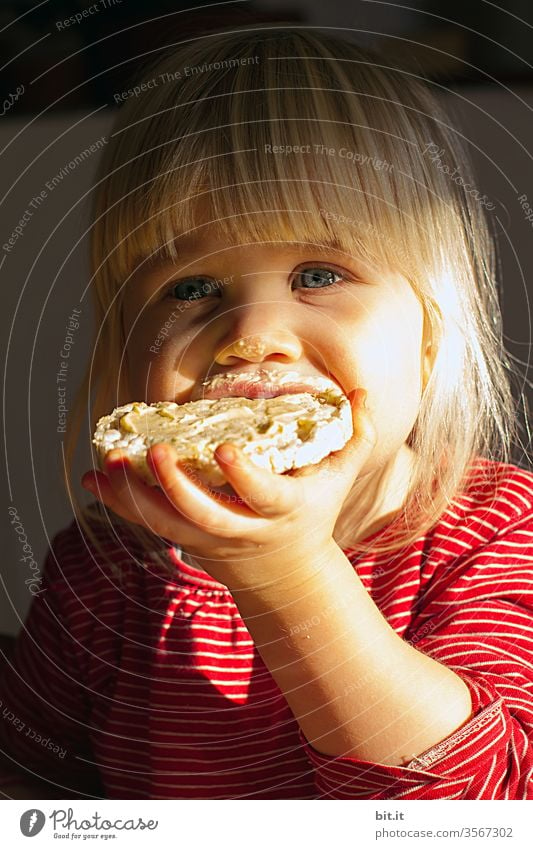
[(92, 555), (494, 499), (513, 485), (482, 546), (80, 541)]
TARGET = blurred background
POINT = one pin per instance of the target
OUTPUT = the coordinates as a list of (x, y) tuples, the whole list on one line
[(57, 83)]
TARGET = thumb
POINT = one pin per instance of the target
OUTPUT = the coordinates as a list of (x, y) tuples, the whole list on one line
[(364, 436), (349, 460)]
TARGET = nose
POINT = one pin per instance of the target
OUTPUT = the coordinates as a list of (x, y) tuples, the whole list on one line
[(257, 347), (258, 330)]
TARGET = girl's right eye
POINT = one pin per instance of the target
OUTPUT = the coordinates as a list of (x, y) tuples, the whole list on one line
[(192, 288)]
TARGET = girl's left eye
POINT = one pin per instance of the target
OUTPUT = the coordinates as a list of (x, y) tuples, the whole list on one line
[(314, 277), (314, 274)]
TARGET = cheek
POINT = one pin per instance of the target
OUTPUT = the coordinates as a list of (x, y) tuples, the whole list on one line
[(162, 358), (388, 354), (390, 346), (147, 354)]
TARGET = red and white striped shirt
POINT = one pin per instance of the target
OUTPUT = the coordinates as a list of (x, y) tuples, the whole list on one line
[(154, 682)]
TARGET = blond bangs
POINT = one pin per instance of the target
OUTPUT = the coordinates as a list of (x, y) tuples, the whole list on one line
[(163, 182)]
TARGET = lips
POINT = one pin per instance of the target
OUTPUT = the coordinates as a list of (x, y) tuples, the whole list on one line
[(261, 384), (244, 389)]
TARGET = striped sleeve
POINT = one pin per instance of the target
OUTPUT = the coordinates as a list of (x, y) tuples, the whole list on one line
[(477, 620), (45, 711)]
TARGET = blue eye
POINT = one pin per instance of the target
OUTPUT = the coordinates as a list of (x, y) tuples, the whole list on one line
[(193, 288), (312, 274)]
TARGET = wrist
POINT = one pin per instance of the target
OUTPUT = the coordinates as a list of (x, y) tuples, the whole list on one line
[(303, 574)]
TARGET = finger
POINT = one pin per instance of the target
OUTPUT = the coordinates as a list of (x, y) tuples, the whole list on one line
[(98, 484), (265, 492), (145, 504), (135, 496), (364, 437), (200, 506), (341, 467)]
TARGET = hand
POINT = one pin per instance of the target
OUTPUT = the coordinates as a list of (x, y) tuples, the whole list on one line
[(279, 524)]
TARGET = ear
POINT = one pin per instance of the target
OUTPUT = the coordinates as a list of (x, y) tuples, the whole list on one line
[(427, 365), (429, 351)]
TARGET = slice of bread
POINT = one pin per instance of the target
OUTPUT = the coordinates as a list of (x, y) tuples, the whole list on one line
[(281, 433)]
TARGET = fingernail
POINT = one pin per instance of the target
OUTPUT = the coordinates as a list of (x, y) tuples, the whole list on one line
[(113, 456), (158, 452), (227, 454), (118, 464)]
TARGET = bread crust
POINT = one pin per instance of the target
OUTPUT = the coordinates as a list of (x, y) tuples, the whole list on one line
[(281, 433)]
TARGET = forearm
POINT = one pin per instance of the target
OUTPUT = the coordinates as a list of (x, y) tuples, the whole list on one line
[(355, 687)]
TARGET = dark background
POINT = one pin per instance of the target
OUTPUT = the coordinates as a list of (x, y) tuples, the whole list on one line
[(72, 66)]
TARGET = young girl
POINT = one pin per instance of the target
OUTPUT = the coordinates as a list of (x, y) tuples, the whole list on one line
[(360, 628)]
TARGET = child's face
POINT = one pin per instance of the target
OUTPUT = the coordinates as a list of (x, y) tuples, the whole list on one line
[(365, 330)]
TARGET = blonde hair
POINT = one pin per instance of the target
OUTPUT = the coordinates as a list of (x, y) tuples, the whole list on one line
[(189, 150)]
